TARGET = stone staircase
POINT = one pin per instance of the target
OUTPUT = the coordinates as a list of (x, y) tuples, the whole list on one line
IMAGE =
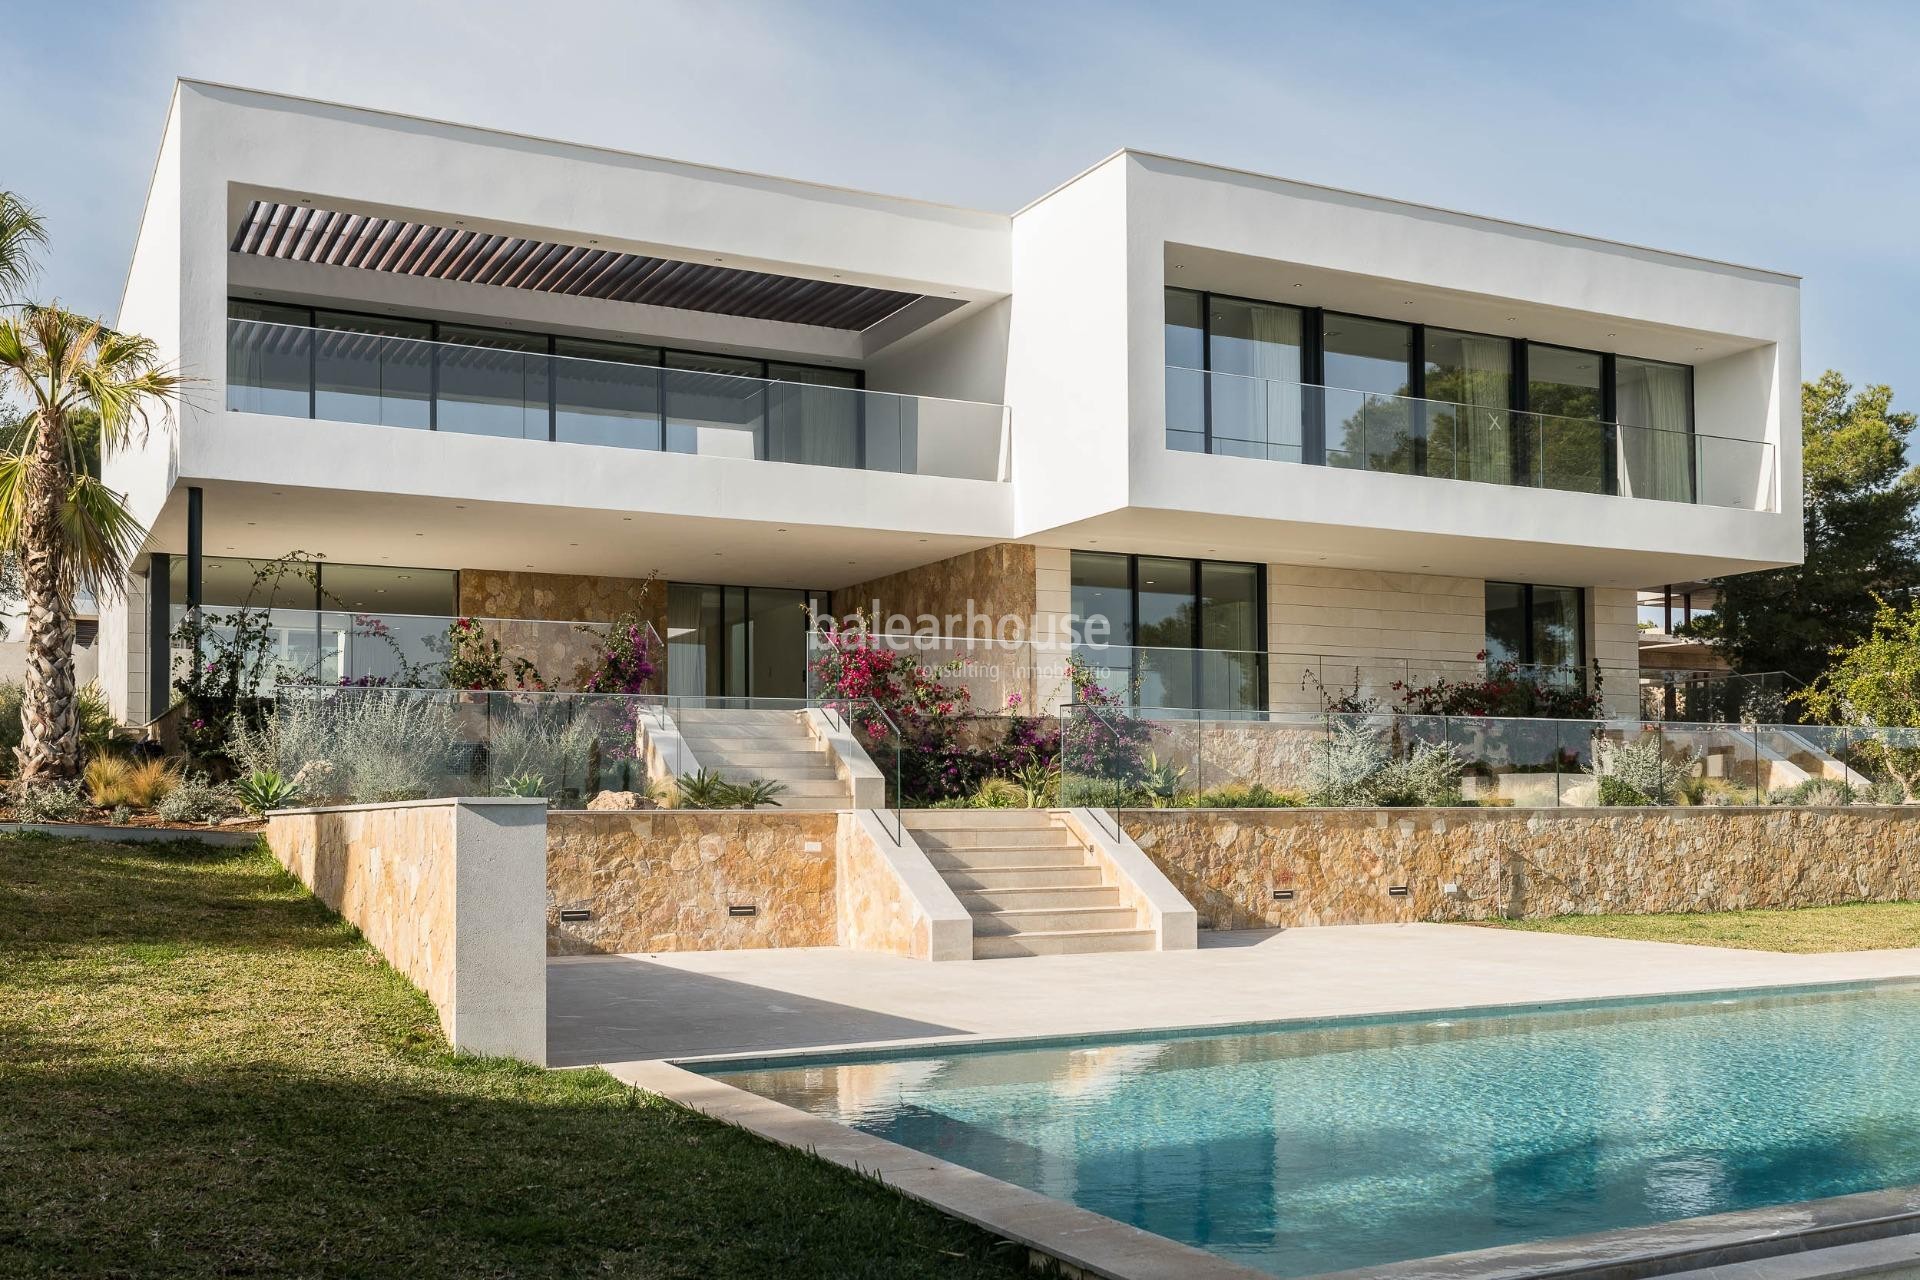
[(1031, 885), (749, 745)]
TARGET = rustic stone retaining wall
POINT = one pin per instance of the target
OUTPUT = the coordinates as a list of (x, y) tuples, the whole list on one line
[(664, 880), (1340, 864)]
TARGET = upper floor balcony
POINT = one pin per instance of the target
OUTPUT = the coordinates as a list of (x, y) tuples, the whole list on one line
[(1249, 417), (535, 387)]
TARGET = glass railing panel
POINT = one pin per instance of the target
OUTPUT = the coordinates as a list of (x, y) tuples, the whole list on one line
[(1570, 454), (1187, 411), (715, 415), (489, 391), (606, 402), (964, 439), (349, 376), (269, 369), (372, 378), (1369, 431)]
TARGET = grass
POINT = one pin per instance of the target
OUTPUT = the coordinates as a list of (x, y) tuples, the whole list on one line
[(1860, 926), (205, 1072)]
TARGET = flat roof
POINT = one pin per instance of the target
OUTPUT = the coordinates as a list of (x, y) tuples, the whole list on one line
[(934, 204)]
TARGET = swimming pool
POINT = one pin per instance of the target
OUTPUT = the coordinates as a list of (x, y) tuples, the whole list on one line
[(1311, 1149)]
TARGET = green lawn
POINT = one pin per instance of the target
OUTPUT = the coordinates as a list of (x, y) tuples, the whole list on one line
[(205, 1072), (1861, 926)]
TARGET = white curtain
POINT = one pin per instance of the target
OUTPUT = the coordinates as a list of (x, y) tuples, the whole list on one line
[(1656, 442), (1486, 450)]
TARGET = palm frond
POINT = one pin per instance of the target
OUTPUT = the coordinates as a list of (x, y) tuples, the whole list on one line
[(21, 234), (13, 500), (101, 538)]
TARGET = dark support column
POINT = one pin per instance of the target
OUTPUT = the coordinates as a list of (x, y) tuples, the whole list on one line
[(193, 564), (1668, 625), (159, 646)]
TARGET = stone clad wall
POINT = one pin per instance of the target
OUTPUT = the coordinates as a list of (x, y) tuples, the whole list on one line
[(1000, 581), (559, 652), (662, 880), (874, 912), (448, 891), (1525, 863)]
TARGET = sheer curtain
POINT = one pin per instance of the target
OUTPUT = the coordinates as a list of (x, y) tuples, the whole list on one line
[(1276, 362), (1487, 366), (1656, 437)]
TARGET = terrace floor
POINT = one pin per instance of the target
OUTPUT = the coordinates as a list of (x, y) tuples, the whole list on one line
[(690, 1004)]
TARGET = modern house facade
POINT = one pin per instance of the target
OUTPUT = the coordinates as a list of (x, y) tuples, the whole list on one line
[(1271, 436)]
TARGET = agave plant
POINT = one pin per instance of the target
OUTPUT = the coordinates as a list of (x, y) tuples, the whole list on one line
[(702, 789), (527, 785), (265, 789)]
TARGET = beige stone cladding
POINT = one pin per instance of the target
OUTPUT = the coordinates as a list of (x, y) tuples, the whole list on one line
[(1613, 641), (1341, 865), (873, 910), (997, 580), (556, 651), (663, 880), (1348, 627)]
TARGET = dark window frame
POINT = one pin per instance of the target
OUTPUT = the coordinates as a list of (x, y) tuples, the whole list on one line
[(1529, 643), (1313, 375), (1195, 630), (552, 340)]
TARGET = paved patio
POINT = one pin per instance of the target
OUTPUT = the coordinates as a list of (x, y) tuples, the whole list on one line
[(690, 1004)]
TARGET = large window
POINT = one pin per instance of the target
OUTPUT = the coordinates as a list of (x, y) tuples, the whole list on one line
[(344, 366), (1172, 632), (1535, 625), (736, 642), (1299, 384)]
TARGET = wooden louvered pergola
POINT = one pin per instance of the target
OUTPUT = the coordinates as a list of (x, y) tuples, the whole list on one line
[(301, 233)]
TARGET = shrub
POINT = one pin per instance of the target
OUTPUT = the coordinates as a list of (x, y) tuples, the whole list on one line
[(546, 739), (527, 785), (1428, 775), (148, 782), (1815, 791), (48, 802), (120, 816), (265, 789), (1613, 791), (995, 793), (98, 728), (1505, 690), (12, 695), (1236, 795), (706, 789), (1344, 773), (368, 745), (106, 780), (1642, 767), (1097, 793), (476, 660), (198, 800)]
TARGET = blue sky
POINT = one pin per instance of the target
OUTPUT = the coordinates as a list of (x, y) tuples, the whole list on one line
[(1780, 135)]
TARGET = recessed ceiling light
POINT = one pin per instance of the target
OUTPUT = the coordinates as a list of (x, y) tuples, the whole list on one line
[(1299, 286), (1613, 335), (379, 591), (251, 524), (459, 506)]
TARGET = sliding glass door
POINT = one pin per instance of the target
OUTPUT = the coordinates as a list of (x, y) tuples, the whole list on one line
[(1168, 632), (736, 642)]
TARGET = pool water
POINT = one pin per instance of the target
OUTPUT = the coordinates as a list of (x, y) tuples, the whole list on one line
[(1300, 1151)]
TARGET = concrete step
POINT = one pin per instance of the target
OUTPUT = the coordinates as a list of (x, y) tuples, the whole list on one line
[(816, 773), (794, 786), (812, 804), (956, 819), (1064, 943), (993, 924), (964, 879), (1037, 897), (746, 758), (995, 859), (729, 722), (704, 745), (996, 838)]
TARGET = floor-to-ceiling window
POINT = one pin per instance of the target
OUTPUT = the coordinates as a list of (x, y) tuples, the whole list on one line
[(1171, 632), (736, 642), (1567, 439), (1300, 384), (327, 622), (1368, 370), (395, 371), (1536, 626), (1653, 401)]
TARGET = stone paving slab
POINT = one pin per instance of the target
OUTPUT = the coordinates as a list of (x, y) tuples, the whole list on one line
[(703, 1003)]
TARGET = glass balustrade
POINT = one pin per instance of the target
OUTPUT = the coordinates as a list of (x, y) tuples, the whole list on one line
[(1246, 417), (345, 375)]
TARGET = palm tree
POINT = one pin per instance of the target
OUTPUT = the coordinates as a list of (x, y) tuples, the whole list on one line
[(21, 232), (67, 529)]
